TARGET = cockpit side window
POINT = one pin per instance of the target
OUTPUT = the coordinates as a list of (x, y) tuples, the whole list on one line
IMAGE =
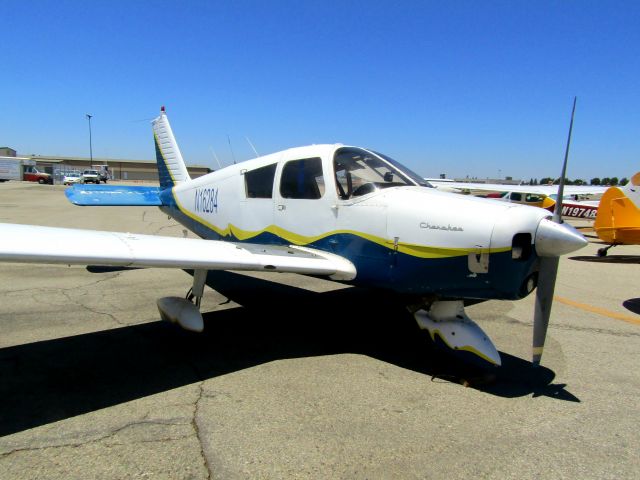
[(302, 179), (358, 172), (259, 182)]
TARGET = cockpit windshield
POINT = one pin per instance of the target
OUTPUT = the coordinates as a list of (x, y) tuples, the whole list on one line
[(359, 172), (410, 173)]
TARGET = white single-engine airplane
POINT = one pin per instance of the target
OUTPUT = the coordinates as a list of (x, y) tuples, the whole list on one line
[(346, 213)]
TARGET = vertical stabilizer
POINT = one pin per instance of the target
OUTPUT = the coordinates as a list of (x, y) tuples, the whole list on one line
[(632, 190), (618, 218), (171, 167)]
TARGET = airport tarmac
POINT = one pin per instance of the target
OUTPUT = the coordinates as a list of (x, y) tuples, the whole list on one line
[(297, 377)]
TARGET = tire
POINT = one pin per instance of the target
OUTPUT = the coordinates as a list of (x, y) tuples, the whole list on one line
[(41, 181)]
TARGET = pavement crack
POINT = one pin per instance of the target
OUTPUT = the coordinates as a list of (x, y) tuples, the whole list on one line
[(92, 310), (196, 428), (106, 436), (164, 227)]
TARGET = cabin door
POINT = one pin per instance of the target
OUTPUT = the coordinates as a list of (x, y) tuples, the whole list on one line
[(304, 208)]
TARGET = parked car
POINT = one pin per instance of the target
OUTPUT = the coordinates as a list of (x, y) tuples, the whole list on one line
[(91, 176), (32, 174), (73, 177)]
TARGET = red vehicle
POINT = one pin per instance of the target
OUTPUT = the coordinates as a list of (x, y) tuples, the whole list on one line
[(32, 174)]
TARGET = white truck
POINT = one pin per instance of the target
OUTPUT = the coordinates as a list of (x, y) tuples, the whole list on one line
[(91, 176)]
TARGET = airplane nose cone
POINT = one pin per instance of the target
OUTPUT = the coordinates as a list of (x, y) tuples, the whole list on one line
[(555, 239)]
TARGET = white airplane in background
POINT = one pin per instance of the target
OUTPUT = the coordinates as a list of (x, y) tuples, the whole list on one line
[(343, 212), (576, 203)]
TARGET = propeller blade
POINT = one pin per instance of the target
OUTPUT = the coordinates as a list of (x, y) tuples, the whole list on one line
[(552, 243), (544, 300), (557, 212)]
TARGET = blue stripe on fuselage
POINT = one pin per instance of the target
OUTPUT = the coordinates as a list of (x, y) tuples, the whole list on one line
[(381, 267)]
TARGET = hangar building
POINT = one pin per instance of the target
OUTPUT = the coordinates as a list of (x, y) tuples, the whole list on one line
[(119, 168)]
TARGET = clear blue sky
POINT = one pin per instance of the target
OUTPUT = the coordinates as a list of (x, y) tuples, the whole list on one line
[(463, 87)]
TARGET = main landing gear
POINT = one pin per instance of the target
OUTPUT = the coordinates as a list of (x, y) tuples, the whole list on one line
[(449, 326), (186, 311)]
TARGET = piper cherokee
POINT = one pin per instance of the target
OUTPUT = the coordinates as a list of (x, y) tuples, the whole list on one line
[(343, 212)]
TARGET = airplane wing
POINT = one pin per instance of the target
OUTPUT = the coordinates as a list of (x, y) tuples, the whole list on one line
[(37, 244), (547, 190)]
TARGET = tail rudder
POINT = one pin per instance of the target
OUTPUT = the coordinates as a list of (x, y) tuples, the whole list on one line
[(171, 166), (618, 212), (632, 190)]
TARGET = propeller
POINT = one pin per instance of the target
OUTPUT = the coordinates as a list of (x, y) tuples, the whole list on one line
[(550, 240)]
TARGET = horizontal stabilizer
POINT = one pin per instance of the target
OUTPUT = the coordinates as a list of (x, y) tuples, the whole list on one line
[(114, 195), (36, 244)]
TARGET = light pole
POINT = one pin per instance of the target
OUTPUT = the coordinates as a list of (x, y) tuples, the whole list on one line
[(90, 142)]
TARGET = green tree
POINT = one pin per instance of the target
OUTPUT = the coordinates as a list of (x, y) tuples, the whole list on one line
[(578, 181), (595, 181), (567, 181), (606, 181), (614, 181), (624, 181), (546, 181)]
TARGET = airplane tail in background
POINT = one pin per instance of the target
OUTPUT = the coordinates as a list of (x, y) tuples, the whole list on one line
[(171, 167), (632, 190), (618, 218)]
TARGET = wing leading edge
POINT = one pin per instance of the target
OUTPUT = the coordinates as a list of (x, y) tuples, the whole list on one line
[(37, 244)]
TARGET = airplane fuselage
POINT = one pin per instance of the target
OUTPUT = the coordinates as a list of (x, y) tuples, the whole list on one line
[(412, 239)]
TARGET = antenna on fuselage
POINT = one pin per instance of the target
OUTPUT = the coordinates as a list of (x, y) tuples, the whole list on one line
[(213, 153), (231, 148), (251, 145)]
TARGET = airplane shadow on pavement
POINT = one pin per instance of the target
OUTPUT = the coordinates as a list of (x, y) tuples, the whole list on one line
[(630, 259), (52, 380), (632, 304)]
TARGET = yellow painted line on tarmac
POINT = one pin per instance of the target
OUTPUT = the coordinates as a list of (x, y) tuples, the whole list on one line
[(598, 310)]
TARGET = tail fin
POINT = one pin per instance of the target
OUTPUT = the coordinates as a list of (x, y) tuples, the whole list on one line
[(171, 167), (632, 189), (618, 218)]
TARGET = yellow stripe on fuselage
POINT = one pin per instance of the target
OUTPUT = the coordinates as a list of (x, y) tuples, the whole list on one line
[(420, 251)]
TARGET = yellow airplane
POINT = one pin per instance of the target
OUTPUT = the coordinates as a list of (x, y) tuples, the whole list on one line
[(618, 218)]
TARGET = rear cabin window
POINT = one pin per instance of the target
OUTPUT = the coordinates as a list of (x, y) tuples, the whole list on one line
[(259, 182), (302, 179)]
